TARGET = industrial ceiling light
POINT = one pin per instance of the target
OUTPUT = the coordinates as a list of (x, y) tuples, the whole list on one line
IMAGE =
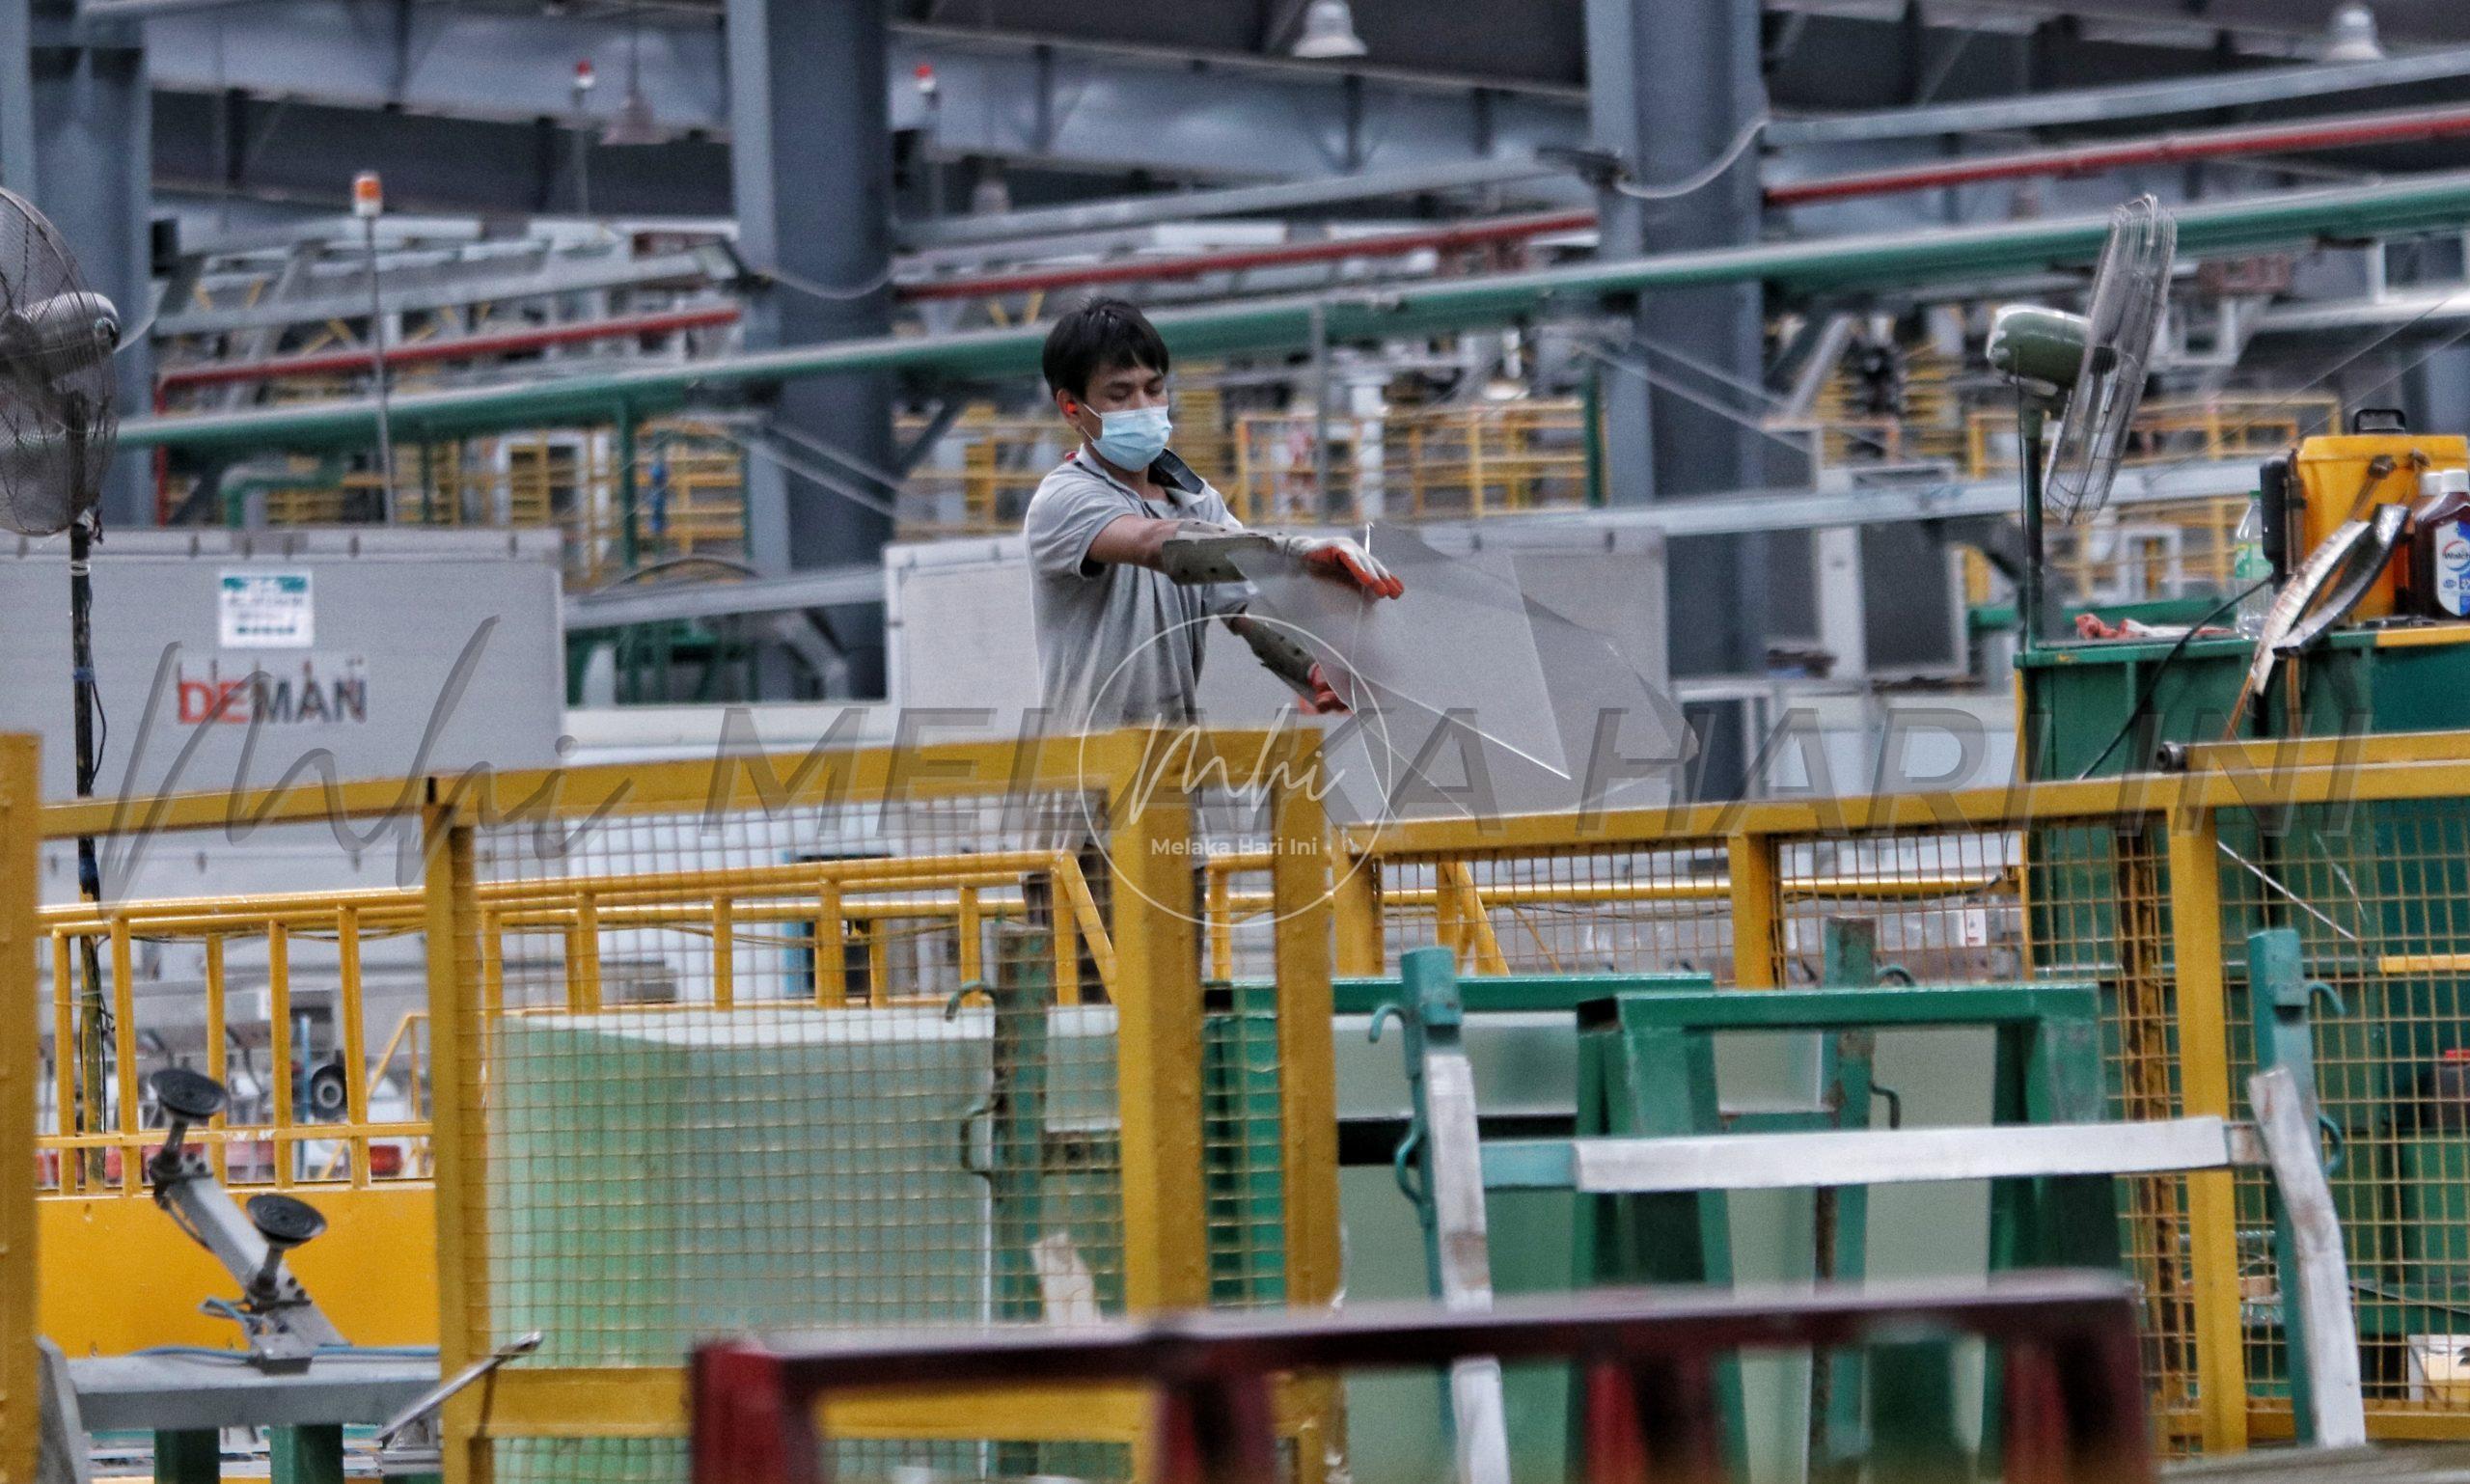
[(1328, 32), (2351, 37), (633, 123)]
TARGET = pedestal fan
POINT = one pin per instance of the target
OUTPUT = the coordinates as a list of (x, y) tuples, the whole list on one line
[(57, 426)]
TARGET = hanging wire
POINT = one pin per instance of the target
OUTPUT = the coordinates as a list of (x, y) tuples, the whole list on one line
[(1706, 176), (789, 279)]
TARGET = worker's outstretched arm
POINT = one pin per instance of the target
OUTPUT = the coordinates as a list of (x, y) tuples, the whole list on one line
[(1137, 540), (1284, 656)]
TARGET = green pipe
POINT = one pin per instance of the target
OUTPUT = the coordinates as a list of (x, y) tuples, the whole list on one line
[(1835, 264)]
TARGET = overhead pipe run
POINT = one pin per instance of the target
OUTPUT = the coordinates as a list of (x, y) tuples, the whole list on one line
[(2317, 134), (1840, 264), (1142, 270), (461, 348), (2135, 100), (2314, 134)]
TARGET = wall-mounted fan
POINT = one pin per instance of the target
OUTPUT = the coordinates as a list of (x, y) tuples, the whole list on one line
[(57, 427), (2088, 370)]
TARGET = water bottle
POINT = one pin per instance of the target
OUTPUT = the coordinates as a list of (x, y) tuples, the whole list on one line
[(2248, 568)]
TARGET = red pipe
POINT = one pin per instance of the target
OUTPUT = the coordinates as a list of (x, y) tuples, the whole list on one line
[(1395, 244), (462, 347), (2080, 160), (2168, 148)]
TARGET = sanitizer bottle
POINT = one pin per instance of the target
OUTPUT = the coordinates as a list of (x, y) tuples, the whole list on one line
[(2440, 545)]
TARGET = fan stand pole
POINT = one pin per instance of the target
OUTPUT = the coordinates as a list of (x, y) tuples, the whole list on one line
[(2029, 597), (91, 1013)]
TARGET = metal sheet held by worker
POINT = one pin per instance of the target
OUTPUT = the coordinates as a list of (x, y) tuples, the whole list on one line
[(1473, 694), (1457, 644)]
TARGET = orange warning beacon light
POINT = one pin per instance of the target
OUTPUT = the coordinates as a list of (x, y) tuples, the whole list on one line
[(368, 194)]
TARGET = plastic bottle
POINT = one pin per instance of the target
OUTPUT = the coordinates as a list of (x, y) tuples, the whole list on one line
[(2439, 557), (2250, 568)]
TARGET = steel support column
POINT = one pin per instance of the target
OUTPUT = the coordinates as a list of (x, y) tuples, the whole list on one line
[(1670, 88), (75, 121), (810, 166)]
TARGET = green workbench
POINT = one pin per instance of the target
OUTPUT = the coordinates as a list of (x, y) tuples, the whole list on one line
[(2077, 694)]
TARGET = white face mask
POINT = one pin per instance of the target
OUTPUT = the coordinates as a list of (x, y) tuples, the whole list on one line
[(1133, 437)]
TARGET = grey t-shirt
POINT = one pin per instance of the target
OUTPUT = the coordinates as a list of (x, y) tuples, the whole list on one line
[(1118, 646)]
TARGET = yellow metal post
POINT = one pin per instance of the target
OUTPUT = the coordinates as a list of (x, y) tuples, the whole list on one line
[(1300, 906), (125, 1051), (1758, 911), (724, 953), (831, 948), (1222, 923), (1356, 902), (2204, 1088), (21, 1073), (1158, 1036), (583, 957), (1299, 903), (458, 1144), (970, 928), (278, 1044), (217, 1034), (492, 963), (64, 1034), (349, 1005)]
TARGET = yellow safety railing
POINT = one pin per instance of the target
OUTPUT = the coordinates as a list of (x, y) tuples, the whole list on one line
[(1409, 463), (689, 493), (2178, 430), (2147, 885), (864, 905), (835, 944), (1490, 458), (101, 1135)]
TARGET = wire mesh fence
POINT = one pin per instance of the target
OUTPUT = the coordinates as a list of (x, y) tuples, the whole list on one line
[(905, 1040), (874, 1041), (2147, 887)]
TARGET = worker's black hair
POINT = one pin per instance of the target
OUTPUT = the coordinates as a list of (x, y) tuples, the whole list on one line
[(1097, 338)]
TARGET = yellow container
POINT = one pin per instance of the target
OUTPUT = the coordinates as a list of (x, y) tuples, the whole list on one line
[(2333, 472)]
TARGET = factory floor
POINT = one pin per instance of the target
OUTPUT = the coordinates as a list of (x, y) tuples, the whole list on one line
[(2399, 1464)]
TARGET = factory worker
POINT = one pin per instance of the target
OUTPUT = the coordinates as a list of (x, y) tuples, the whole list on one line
[(1130, 552)]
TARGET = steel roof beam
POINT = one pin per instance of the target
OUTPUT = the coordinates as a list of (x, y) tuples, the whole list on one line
[(1834, 267), (557, 274), (2137, 101)]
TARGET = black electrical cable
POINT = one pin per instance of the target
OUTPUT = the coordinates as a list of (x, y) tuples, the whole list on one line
[(2153, 679)]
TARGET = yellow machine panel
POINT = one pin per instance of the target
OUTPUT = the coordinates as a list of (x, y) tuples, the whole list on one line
[(2334, 480), (118, 1276)]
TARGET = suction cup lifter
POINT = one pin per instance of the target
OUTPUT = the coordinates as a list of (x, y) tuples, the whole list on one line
[(185, 1097), (284, 1325), (283, 1223)]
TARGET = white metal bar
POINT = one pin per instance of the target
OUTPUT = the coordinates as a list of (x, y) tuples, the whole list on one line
[(1764, 1162), (1476, 1402), (2288, 1126)]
